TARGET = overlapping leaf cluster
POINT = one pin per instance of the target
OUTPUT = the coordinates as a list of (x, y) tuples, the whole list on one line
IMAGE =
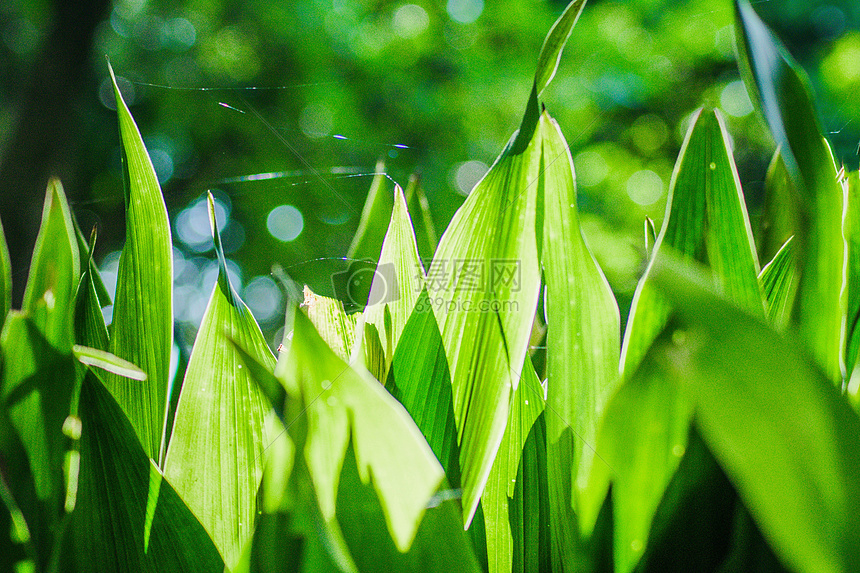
[(483, 411)]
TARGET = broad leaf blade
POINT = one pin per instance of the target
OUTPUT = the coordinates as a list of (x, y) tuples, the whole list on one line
[(786, 438), (398, 279), (340, 400), (527, 403), (550, 52), (142, 330), (54, 271), (215, 455), (705, 219), (583, 335), (484, 283), (785, 99), (127, 517), (420, 380)]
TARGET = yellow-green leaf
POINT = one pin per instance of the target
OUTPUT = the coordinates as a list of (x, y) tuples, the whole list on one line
[(142, 329), (339, 400), (215, 457), (583, 333), (782, 93)]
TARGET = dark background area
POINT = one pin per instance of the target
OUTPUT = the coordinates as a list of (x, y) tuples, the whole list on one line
[(284, 108)]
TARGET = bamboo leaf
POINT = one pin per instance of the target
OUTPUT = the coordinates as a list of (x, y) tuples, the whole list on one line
[(784, 97), (483, 283), (119, 485), (5, 277), (748, 385), (583, 337), (527, 403), (420, 380), (217, 471), (706, 219), (553, 44), (142, 330), (54, 271), (339, 400), (108, 362), (778, 283), (398, 278), (90, 329)]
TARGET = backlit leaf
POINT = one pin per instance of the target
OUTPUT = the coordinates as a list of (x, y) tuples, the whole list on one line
[(748, 385), (583, 334), (215, 457), (142, 329), (339, 401), (781, 91)]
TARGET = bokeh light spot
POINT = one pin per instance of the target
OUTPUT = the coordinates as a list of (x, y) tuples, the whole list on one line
[(264, 298), (645, 187), (410, 20), (465, 11), (591, 168), (285, 223), (734, 99), (316, 120), (467, 175)]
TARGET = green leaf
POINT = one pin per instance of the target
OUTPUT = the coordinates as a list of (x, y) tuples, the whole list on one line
[(333, 324), (788, 441), (642, 439), (440, 544), (420, 380), (780, 219), (37, 388), (142, 330), (338, 400), (5, 277), (583, 334), (528, 509), (37, 393), (706, 219), (398, 279), (128, 518), (553, 44), (784, 97), (108, 362), (419, 209), (217, 472), (778, 283), (375, 215), (90, 329), (852, 235), (54, 271), (84, 247), (483, 283), (527, 403)]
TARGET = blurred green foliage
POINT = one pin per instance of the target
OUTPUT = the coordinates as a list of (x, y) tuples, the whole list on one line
[(284, 108)]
